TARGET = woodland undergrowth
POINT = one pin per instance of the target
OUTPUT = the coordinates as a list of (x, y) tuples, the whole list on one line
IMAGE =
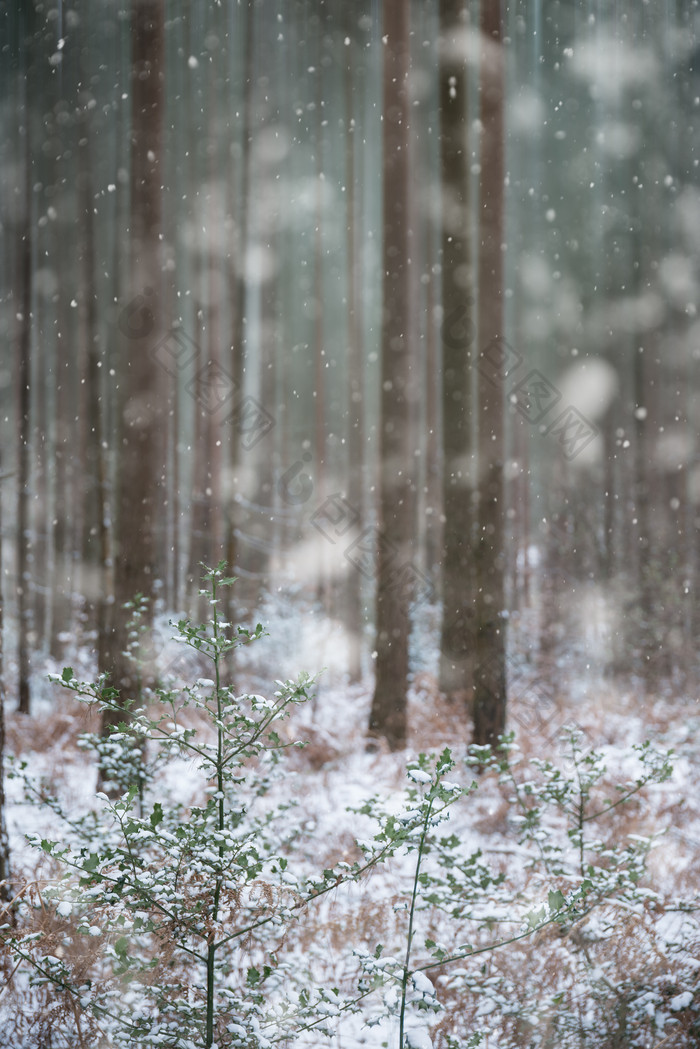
[(224, 923)]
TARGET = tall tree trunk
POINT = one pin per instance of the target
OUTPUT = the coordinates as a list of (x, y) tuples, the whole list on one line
[(456, 640), (490, 647), (61, 581), (262, 317), (354, 616), (39, 459), (95, 550), (239, 289), (215, 430), (388, 716), (140, 461), (323, 581), (521, 507), (610, 496), (5, 887), (200, 503), (23, 539), (642, 488), (434, 500)]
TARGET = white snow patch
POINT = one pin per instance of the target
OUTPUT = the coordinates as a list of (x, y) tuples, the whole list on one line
[(418, 1038), (423, 985), (590, 386), (681, 1001), (419, 776)]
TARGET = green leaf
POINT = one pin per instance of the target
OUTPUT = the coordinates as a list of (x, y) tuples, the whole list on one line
[(156, 815), (92, 862), (556, 900), (534, 917), (121, 946), (253, 976), (67, 674)]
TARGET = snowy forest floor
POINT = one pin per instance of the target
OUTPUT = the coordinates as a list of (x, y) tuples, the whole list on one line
[(655, 949)]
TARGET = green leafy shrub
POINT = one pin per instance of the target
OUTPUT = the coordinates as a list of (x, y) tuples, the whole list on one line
[(178, 921), (172, 913)]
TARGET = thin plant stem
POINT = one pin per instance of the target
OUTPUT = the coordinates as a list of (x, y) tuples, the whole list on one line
[(411, 916), (211, 952)]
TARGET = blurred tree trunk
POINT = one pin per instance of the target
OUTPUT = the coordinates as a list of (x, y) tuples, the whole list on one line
[(200, 517), (646, 484), (214, 396), (23, 538), (174, 595), (95, 539), (433, 506), (456, 640), (262, 326), (5, 887), (63, 520), (39, 462), (490, 647), (388, 716), (521, 529), (140, 465), (609, 565), (324, 588), (354, 616), (235, 595), (649, 642), (215, 549)]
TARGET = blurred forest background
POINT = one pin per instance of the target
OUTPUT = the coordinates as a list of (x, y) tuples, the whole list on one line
[(392, 307)]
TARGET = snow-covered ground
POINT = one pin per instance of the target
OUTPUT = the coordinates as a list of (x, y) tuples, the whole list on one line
[(659, 944)]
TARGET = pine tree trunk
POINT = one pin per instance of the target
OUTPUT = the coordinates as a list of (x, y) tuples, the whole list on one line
[(95, 551), (140, 467), (457, 637), (5, 887), (388, 717), (490, 647), (354, 614), (23, 538)]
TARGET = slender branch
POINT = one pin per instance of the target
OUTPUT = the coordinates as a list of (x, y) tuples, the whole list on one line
[(624, 797), (411, 916), (321, 1019)]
